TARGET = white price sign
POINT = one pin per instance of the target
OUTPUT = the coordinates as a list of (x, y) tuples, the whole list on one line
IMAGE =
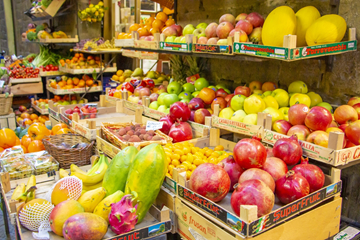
[(150, 125)]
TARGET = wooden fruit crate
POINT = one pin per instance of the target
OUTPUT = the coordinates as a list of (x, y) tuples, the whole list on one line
[(43, 111), (8, 121), (90, 70), (54, 111), (146, 44), (69, 39), (59, 91), (176, 47), (27, 89), (213, 49)]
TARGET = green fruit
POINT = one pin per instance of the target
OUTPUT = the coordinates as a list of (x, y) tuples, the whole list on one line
[(117, 172), (326, 105), (146, 176), (185, 95), (298, 87), (189, 87), (201, 83)]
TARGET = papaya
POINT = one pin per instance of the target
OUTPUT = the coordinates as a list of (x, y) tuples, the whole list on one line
[(146, 175), (305, 17), (117, 173)]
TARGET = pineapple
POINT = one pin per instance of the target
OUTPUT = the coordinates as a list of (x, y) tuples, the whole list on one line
[(196, 65), (178, 69)]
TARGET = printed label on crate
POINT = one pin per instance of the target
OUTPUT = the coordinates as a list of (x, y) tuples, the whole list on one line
[(146, 44), (347, 155), (53, 113), (172, 46), (147, 232), (234, 126), (131, 105), (83, 131), (129, 53), (293, 208), (261, 50), (111, 99), (153, 113), (213, 209), (204, 48), (65, 120), (170, 184), (148, 55), (124, 42), (326, 49), (347, 234)]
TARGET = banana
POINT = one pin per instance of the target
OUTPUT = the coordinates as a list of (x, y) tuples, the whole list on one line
[(19, 190), (92, 187), (63, 173), (31, 182), (27, 195), (74, 168), (104, 207), (93, 171), (90, 199), (94, 179)]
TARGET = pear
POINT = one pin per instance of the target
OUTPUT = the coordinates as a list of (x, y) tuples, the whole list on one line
[(138, 72), (127, 73), (151, 75)]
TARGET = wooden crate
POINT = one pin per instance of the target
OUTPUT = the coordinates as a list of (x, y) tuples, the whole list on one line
[(146, 44), (59, 91), (27, 89), (69, 39), (8, 121), (176, 47), (25, 80), (91, 70), (167, 198), (40, 110), (213, 49)]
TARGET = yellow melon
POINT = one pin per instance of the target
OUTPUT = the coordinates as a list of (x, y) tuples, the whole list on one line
[(305, 17), (327, 29), (280, 22)]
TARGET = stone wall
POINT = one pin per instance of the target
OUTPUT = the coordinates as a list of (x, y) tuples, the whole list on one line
[(3, 32)]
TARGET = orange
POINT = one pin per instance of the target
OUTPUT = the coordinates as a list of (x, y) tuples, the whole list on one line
[(154, 30), (53, 84), (117, 94), (73, 97), (75, 59), (69, 82), (87, 77), (24, 149), (57, 98), (61, 84), (77, 55), (128, 36), (143, 32), (63, 131), (81, 83), (157, 24), (36, 146), (34, 116), (89, 83), (81, 55), (7, 138), (148, 27), (69, 87), (26, 140), (163, 28), (134, 27), (161, 16), (25, 115), (17, 141), (57, 127), (27, 121), (1, 149), (149, 21), (170, 22)]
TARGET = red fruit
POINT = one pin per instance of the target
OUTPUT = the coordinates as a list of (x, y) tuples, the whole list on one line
[(233, 170), (229, 97), (255, 173), (255, 19), (219, 100), (297, 114), (200, 114), (244, 25), (221, 93), (215, 187), (269, 152), (179, 111), (253, 192), (300, 131), (318, 118), (345, 114), (243, 90), (196, 103), (275, 167), (291, 187), (313, 174), (180, 131), (352, 132), (250, 153), (166, 125), (288, 150)]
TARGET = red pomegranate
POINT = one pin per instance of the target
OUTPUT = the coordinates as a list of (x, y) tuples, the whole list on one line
[(166, 125), (250, 153), (179, 111), (275, 167), (269, 152), (288, 150), (291, 187), (180, 131), (255, 173), (253, 192), (313, 174), (211, 181), (233, 170)]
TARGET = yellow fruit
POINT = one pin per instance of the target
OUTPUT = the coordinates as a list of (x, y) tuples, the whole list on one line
[(183, 158), (280, 22), (188, 175), (104, 207), (92, 198), (175, 162), (219, 148), (175, 156), (183, 166), (115, 78), (305, 17), (178, 151), (193, 167), (168, 175), (208, 152), (188, 165), (198, 161), (170, 167), (327, 29), (190, 158), (119, 73), (186, 150)]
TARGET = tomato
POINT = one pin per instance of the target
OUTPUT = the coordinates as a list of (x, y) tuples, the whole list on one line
[(36, 71), (56, 68), (38, 131), (7, 138), (50, 65), (47, 68)]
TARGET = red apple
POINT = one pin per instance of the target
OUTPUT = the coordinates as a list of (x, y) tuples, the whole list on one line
[(345, 114), (281, 126), (22, 108), (244, 25), (354, 100), (349, 144), (144, 92), (224, 29), (212, 41), (300, 131), (169, 31), (219, 100), (320, 138), (243, 37), (137, 90), (357, 109), (227, 18), (178, 29), (243, 90), (241, 16), (352, 132), (196, 103), (229, 97), (192, 114), (153, 97), (318, 118), (333, 124), (210, 30), (255, 85), (297, 114), (255, 19), (221, 93), (202, 40), (200, 114), (343, 126)]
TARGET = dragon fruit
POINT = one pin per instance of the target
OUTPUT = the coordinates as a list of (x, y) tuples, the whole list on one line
[(122, 217)]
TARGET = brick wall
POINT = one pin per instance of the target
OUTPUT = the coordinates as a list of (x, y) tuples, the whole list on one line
[(3, 32)]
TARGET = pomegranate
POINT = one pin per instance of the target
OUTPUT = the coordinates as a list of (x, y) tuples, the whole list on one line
[(211, 181), (255, 173), (250, 153), (288, 150), (313, 174), (269, 152), (181, 111), (291, 187), (233, 170), (275, 167), (253, 192), (180, 131), (166, 125)]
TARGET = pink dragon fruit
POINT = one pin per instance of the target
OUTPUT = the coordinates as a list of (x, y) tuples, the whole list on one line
[(122, 217)]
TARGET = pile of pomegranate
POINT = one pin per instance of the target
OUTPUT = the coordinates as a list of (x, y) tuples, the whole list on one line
[(255, 174)]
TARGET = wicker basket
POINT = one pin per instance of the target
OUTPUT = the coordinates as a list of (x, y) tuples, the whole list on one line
[(5, 103), (68, 156), (167, 3), (123, 144)]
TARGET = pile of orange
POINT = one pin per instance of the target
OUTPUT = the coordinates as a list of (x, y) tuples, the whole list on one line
[(80, 58), (28, 119), (74, 82)]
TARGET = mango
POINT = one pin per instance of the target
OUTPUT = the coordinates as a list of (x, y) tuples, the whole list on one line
[(61, 213), (85, 226)]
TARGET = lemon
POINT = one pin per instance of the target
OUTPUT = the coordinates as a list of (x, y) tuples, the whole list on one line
[(100, 4), (91, 5)]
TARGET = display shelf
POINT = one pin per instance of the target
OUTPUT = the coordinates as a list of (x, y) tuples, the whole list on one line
[(27, 89), (213, 49), (42, 111), (101, 51), (177, 47), (88, 70), (51, 73), (137, 43), (140, 54), (25, 80), (69, 39), (59, 91)]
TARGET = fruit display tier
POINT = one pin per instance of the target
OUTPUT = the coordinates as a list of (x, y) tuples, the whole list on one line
[(51, 73), (42, 110), (102, 51), (248, 224), (25, 80), (69, 39), (140, 54), (153, 219), (74, 90), (136, 42), (88, 70)]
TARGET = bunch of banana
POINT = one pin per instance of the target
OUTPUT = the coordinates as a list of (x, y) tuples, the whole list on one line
[(93, 178), (25, 194)]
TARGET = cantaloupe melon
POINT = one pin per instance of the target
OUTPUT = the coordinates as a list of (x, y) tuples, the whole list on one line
[(305, 17), (327, 29), (280, 22)]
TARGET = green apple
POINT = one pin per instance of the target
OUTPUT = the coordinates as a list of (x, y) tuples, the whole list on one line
[(167, 110), (154, 105), (170, 39), (267, 93), (270, 101), (298, 87), (185, 95), (174, 87), (186, 100), (201, 83), (226, 113), (237, 102), (213, 88), (161, 98), (72, 102), (227, 90), (222, 42), (189, 87), (254, 104), (66, 103), (81, 101), (201, 25), (281, 96), (275, 114), (170, 99), (200, 32), (315, 98), (300, 98), (218, 86), (285, 112), (195, 93), (188, 29), (60, 102), (177, 40), (250, 119), (162, 108), (238, 116), (183, 40), (326, 105)]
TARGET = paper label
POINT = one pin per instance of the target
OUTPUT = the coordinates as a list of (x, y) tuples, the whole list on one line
[(2, 83), (347, 234), (150, 125)]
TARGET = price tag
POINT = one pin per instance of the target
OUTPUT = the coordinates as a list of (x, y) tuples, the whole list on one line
[(51, 173), (150, 125), (2, 82)]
